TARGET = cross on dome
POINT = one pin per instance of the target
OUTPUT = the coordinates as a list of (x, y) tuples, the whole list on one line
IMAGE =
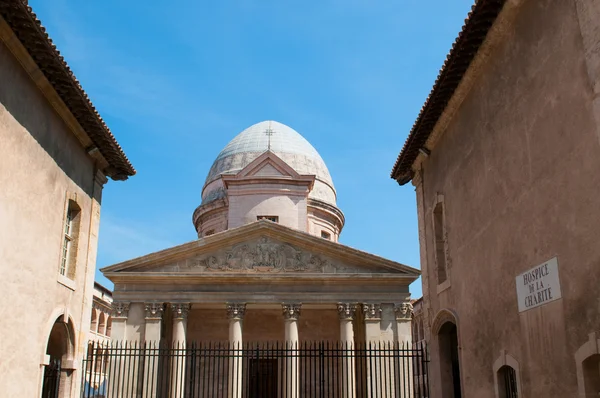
[(269, 132)]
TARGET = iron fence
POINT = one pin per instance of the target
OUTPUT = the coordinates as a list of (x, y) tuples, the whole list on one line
[(255, 370)]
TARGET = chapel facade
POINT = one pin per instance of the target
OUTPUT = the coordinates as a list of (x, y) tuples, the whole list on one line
[(267, 266), (504, 159)]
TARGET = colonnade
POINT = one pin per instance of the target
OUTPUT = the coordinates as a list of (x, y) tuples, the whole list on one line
[(291, 312)]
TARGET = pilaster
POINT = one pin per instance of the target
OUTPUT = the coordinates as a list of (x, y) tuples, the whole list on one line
[(372, 313), (119, 314)]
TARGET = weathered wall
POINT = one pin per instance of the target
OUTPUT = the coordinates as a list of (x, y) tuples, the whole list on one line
[(291, 209), (518, 168), (41, 161)]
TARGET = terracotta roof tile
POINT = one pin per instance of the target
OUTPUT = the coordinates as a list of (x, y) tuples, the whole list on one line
[(30, 32), (477, 25)]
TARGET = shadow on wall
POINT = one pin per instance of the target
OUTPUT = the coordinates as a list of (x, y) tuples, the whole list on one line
[(30, 108)]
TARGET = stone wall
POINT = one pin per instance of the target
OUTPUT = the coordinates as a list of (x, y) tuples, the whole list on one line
[(42, 164), (518, 170)]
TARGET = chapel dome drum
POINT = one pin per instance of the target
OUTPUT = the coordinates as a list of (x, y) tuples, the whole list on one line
[(305, 200)]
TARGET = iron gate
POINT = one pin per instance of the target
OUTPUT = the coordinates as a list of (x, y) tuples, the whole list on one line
[(51, 384), (256, 370)]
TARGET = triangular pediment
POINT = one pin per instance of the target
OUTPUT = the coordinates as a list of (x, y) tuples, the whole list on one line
[(263, 247), (267, 165), (268, 170)]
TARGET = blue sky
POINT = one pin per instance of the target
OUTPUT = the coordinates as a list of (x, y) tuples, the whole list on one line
[(175, 83)]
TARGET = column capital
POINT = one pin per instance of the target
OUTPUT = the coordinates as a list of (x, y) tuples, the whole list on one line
[(119, 309), (180, 310), (347, 311), (236, 311), (154, 310), (403, 311), (372, 312), (291, 311)]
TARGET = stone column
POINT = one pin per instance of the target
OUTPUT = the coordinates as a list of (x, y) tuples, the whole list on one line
[(154, 313), (404, 312), (235, 313), (180, 313), (372, 313), (291, 313), (115, 381), (347, 311)]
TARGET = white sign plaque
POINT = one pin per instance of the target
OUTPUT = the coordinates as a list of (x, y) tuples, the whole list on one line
[(538, 285)]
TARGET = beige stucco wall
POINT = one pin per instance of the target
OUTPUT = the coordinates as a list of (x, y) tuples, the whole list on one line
[(290, 208), (518, 169), (41, 163)]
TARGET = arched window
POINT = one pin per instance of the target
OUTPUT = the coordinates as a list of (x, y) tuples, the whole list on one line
[(108, 326), (506, 376), (94, 321), (102, 324), (507, 382), (591, 376)]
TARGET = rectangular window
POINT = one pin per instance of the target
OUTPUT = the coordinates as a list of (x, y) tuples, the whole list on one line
[(439, 230), (67, 240), (325, 235), (270, 218), (70, 234)]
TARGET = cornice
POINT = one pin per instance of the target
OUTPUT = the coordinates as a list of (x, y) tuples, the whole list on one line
[(181, 278), (330, 209)]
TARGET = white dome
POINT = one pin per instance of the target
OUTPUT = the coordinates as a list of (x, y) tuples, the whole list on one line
[(282, 140)]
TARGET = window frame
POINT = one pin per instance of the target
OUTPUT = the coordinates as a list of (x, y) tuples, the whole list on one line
[(274, 219), (68, 226), (440, 243), (70, 231)]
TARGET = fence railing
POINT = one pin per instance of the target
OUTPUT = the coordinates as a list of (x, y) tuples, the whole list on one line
[(255, 370)]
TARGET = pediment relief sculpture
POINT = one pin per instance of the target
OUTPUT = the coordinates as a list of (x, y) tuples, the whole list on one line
[(262, 256)]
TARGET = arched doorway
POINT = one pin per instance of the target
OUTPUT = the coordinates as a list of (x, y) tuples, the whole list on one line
[(591, 376), (57, 379), (449, 362)]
